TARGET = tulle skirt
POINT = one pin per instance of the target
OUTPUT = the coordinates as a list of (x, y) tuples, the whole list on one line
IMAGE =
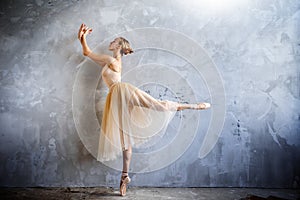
[(131, 117)]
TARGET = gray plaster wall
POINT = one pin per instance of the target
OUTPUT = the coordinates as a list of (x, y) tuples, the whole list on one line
[(254, 45)]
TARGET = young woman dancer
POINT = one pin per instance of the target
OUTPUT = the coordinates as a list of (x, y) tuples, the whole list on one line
[(130, 116)]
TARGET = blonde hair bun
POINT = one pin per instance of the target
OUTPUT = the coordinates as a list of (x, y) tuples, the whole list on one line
[(125, 46)]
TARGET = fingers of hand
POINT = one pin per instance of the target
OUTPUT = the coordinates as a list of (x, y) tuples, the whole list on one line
[(81, 26), (83, 30), (80, 32), (87, 30)]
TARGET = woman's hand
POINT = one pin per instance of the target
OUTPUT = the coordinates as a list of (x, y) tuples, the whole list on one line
[(83, 31)]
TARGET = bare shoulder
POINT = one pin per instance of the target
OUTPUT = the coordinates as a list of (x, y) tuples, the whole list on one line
[(115, 65)]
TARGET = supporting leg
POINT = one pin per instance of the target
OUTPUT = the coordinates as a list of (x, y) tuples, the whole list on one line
[(126, 159), (125, 178)]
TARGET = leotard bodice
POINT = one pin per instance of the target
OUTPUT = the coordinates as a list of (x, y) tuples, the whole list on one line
[(109, 76)]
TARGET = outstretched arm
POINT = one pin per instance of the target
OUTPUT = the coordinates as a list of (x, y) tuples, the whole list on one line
[(101, 59)]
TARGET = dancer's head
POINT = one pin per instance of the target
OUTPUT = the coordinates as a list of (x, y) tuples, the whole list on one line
[(122, 45)]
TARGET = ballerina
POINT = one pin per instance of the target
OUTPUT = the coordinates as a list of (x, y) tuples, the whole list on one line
[(128, 110)]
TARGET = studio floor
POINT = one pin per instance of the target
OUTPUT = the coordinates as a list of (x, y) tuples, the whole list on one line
[(73, 193)]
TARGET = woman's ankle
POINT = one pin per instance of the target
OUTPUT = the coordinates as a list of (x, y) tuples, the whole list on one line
[(124, 174)]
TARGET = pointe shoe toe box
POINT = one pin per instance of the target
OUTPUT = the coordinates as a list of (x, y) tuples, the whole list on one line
[(207, 105)]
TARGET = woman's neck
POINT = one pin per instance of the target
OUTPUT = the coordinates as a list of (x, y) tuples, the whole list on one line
[(117, 55)]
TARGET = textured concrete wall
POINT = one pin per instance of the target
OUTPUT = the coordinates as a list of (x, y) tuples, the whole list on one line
[(254, 46)]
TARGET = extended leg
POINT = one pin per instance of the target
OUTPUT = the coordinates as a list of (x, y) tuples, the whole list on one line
[(141, 98), (200, 106)]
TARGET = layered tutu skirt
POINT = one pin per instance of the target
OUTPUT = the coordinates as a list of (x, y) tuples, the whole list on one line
[(131, 117)]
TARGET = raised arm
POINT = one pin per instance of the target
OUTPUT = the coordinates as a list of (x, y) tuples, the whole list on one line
[(101, 59), (82, 33)]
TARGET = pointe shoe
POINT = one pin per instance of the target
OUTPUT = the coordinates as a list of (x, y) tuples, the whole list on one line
[(123, 185), (202, 106)]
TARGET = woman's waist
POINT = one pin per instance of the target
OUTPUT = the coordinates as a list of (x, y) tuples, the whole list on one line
[(119, 84), (113, 84)]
